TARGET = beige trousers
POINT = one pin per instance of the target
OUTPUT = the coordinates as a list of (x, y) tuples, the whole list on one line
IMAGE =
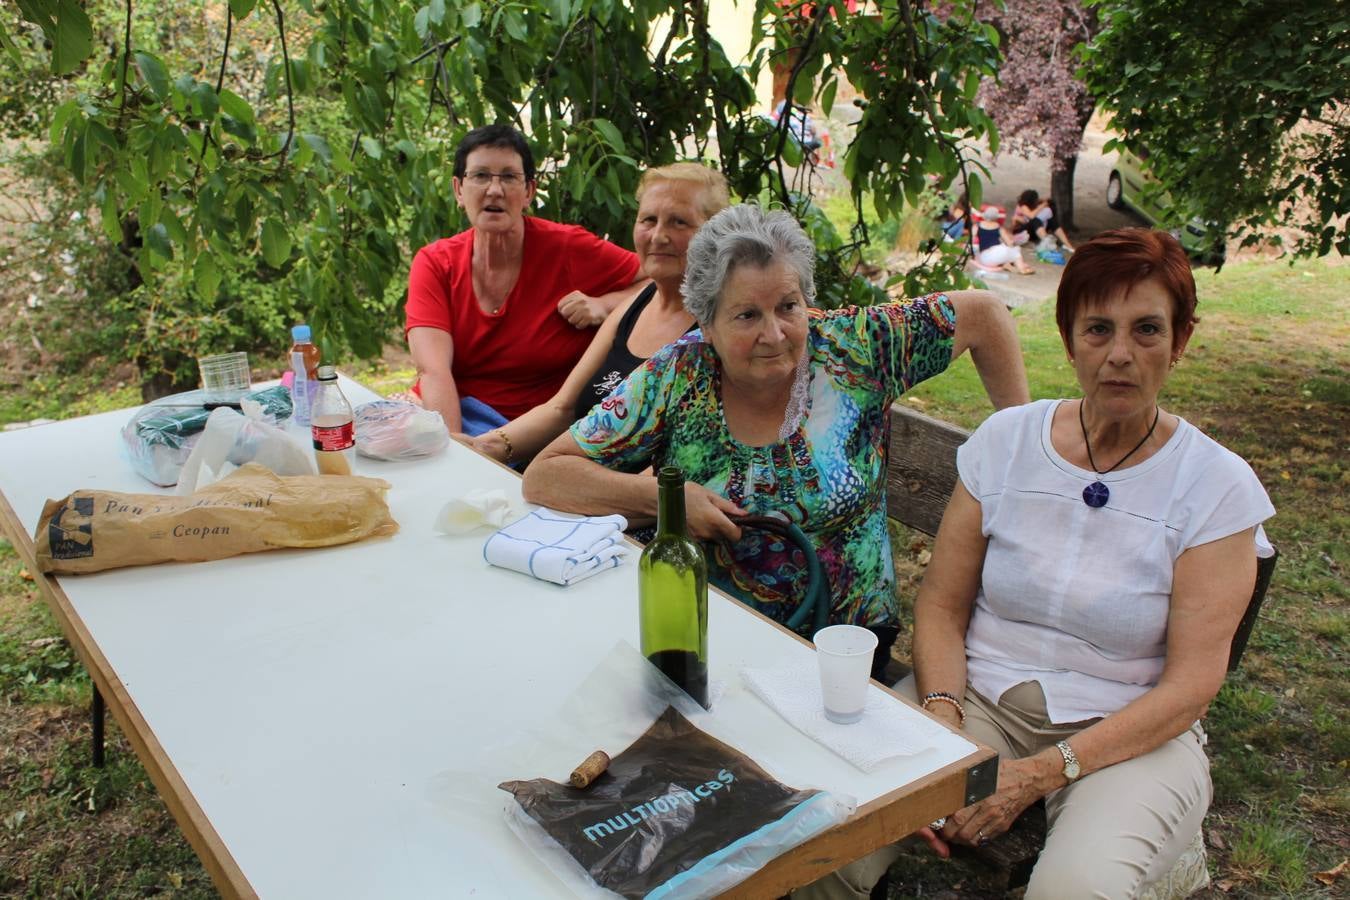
[(1107, 835)]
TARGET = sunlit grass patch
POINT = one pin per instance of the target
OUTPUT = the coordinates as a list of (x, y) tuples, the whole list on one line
[(1270, 853)]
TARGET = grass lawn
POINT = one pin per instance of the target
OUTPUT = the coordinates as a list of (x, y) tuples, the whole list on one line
[(1267, 374)]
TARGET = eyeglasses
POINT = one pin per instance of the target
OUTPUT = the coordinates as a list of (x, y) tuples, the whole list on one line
[(507, 180)]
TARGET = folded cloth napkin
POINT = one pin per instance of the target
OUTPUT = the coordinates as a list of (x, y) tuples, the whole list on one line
[(559, 547), (888, 728)]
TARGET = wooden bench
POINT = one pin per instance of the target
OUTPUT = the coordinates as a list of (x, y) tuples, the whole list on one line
[(920, 476)]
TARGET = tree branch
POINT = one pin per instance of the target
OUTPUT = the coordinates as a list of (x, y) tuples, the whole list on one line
[(821, 11), (207, 139), (126, 59), (930, 109), (434, 48), (290, 94), (548, 69)]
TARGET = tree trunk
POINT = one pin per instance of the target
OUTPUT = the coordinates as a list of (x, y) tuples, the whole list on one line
[(1061, 172), (1061, 191)]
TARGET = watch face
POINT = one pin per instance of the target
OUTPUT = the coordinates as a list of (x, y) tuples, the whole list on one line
[(1071, 770)]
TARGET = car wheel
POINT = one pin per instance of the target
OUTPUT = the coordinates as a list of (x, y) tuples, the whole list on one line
[(1115, 192)]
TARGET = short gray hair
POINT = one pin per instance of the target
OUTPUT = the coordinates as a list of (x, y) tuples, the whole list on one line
[(739, 236)]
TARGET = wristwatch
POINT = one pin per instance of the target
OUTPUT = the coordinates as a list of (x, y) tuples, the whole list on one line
[(1071, 768)]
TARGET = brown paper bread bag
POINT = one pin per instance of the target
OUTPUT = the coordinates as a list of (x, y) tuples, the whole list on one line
[(252, 509)]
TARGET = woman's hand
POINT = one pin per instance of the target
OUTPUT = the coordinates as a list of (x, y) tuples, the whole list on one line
[(1021, 782), (582, 310), (708, 514), (930, 837)]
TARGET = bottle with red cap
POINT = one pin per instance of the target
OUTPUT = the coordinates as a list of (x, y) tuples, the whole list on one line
[(331, 426)]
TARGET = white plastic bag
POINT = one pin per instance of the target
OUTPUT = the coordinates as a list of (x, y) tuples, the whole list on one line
[(230, 440), (394, 430), (160, 435)]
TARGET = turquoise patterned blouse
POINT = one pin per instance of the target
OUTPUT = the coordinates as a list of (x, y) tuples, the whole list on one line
[(828, 476)]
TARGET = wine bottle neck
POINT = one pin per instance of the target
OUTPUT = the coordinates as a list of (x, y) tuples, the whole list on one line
[(670, 510)]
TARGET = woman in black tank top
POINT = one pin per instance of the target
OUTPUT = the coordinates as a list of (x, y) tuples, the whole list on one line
[(619, 361), (673, 201)]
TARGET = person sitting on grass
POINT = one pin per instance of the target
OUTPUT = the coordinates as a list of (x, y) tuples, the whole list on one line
[(1036, 216), (994, 244)]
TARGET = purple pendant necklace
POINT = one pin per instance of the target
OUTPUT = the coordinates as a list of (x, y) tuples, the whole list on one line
[(1096, 494)]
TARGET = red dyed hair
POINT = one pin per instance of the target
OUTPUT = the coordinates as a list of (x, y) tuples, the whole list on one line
[(1118, 260)]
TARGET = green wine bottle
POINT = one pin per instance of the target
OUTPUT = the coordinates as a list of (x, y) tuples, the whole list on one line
[(673, 593)]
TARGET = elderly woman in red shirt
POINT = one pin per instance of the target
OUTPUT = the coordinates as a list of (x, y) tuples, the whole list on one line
[(499, 314)]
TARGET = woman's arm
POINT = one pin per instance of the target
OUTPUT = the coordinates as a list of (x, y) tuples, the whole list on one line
[(562, 477), (986, 328), (1211, 585), (946, 597), (532, 431), (433, 351)]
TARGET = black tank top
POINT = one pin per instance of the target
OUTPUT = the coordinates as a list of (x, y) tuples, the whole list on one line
[(618, 362)]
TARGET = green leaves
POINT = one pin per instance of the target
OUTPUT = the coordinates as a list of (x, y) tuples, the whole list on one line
[(235, 107), (157, 239), (240, 229), (1248, 148), (67, 26), (319, 146), (276, 243), (152, 70), (206, 276)]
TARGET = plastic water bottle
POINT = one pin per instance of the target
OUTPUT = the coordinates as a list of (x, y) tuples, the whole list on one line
[(305, 364), (331, 426)]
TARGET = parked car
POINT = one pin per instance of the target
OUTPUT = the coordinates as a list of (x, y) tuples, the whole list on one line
[(1125, 189)]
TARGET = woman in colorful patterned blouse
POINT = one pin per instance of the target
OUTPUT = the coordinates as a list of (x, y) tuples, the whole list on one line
[(776, 408)]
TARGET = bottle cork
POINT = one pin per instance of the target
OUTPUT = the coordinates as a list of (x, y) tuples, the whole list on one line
[(591, 768)]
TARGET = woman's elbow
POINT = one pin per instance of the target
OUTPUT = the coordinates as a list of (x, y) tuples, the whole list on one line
[(978, 313), (542, 477), (532, 485)]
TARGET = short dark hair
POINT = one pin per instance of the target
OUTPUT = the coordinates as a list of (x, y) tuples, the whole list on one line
[(494, 136), (1120, 259), (1028, 198)]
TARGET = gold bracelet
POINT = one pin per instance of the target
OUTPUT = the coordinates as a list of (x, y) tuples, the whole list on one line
[(510, 451), (944, 697)]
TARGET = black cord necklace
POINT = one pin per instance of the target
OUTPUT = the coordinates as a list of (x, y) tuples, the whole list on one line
[(1096, 494)]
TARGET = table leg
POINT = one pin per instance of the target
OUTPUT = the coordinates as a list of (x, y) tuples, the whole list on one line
[(96, 719)]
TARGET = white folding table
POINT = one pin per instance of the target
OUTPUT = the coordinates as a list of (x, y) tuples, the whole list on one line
[(308, 715)]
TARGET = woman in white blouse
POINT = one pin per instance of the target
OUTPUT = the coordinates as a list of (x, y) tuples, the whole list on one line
[(1090, 571), (1088, 576)]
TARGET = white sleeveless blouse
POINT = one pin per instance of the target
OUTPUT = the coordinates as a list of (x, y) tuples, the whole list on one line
[(1077, 598)]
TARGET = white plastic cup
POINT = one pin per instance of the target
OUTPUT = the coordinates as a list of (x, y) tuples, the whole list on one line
[(845, 656), (225, 376)]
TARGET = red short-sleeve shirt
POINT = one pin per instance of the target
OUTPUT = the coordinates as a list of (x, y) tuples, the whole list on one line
[(519, 357)]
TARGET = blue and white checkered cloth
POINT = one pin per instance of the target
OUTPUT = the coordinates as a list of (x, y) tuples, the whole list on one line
[(559, 547)]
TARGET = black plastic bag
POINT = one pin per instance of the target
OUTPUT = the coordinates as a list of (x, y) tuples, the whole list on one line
[(678, 813)]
